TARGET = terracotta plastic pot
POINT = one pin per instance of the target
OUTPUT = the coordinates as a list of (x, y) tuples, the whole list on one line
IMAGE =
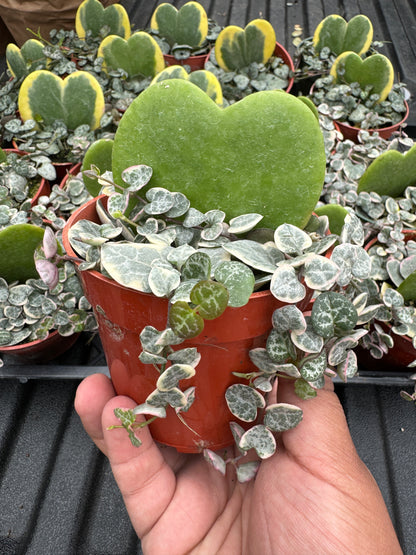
[(41, 350), (281, 52), (224, 344), (194, 62), (351, 133), (73, 170)]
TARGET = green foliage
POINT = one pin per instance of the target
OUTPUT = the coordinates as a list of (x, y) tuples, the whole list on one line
[(246, 150), (99, 155), (236, 48), (138, 55), (24, 60), (390, 173), (97, 21), (335, 33), (17, 246), (186, 26)]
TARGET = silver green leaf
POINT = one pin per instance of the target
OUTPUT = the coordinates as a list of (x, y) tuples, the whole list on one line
[(320, 273), (150, 410), (244, 223), (285, 285), (280, 347), (247, 471), (251, 253), (170, 378), (238, 279), (289, 318), (313, 367), (260, 358), (282, 416), (137, 177), (215, 460), (162, 280), (243, 401), (261, 439), (291, 240)]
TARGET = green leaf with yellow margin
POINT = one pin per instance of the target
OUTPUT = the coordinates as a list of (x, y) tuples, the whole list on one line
[(339, 36), (236, 48), (22, 61), (202, 78), (189, 25), (375, 71), (76, 100), (390, 173), (92, 16), (138, 55)]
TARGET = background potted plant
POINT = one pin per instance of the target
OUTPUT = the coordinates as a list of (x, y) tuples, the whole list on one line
[(249, 60)]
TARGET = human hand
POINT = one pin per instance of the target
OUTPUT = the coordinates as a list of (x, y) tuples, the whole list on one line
[(314, 496)]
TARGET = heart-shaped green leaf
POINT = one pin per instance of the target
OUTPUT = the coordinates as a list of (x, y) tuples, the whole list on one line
[(202, 78), (92, 16), (243, 401), (280, 417), (44, 96), (22, 61), (376, 72), (261, 439), (210, 297), (98, 154), (336, 216), (236, 48), (184, 321), (265, 147), (390, 173), (331, 313), (17, 246), (187, 26), (140, 54), (339, 36)]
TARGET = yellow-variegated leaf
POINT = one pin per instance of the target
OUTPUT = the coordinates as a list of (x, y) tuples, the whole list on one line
[(92, 16), (204, 79), (189, 25), (236, 48), (339, 36), (76, 100), (375, 71), (22, 61), (138, 55)]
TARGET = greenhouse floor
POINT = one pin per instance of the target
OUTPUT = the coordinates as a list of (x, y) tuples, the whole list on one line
[(57, 493)]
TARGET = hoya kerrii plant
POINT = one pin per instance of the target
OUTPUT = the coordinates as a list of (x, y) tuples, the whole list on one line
[(332, 36), (249, 60), (181, 33), (158, 240)]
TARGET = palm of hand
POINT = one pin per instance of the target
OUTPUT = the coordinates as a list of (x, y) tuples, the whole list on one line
[(314, 496)]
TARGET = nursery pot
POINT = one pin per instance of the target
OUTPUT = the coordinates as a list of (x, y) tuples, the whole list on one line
[(41, 350), (402, 353), (351, 133), (194, 62), (224, 346), (281, 52), (44, 187)]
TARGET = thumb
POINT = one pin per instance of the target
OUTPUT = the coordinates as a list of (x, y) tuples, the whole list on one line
[(144, 478)]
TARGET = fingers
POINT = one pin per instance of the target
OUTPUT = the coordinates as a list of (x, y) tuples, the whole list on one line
[(145, 479), (92, 395)]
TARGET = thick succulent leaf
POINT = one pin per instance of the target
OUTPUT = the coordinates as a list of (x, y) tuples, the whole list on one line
[(174, 397), (335, 33), (243, 401), (282, 416), (313, 367), (139, 55), (260, 358), (130, 263), (210, 297), (353, 261), (184, 321), (92, 16), (187, 26), (197, 266), (348, 367), (251, 253), (320, 272), (261, 439), (291, 240), (215, 460), (236, 48), (171, 377), (45, 96), (285, 285), (162, 280), (150, 410), (238, 279), (303, 390), (289, 318), (280, 347), (333, 312)]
